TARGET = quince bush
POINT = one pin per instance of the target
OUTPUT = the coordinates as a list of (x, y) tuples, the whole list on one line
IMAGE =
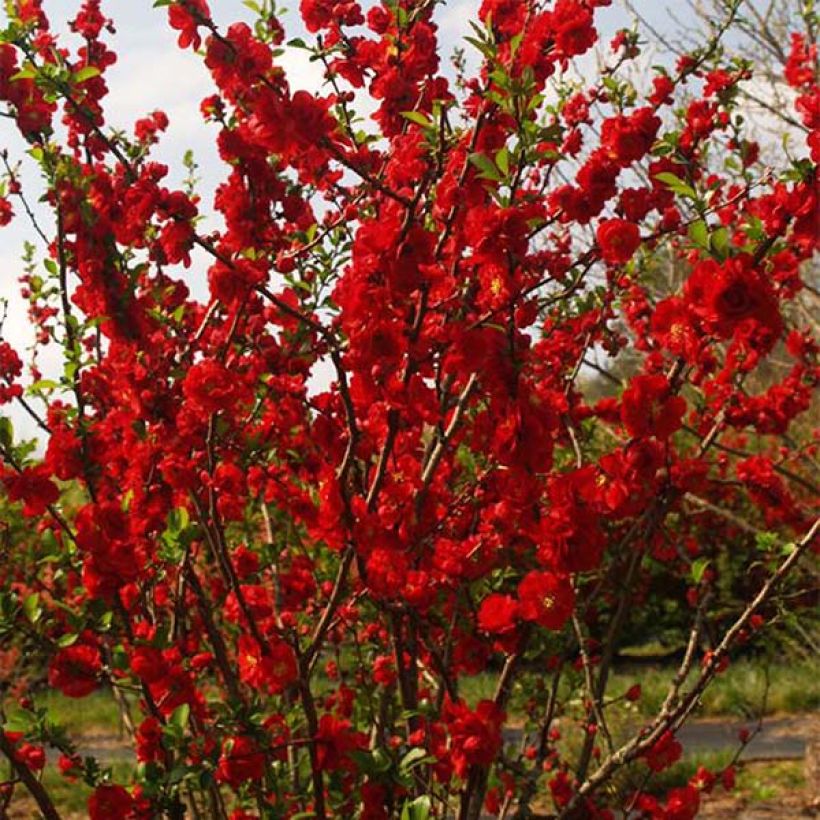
[(292, 585)]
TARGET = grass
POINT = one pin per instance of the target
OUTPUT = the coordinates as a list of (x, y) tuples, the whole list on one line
[(70, 798), (768, 780), (756, 782), (740, 691), (95, 714)]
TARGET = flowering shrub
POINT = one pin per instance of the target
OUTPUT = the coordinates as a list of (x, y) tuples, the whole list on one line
[(294, 575)]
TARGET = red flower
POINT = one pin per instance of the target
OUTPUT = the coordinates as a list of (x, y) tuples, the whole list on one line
[(183, 17), (387, 572), (630, 138), (6, 213), (618, 240), (800, 68), (664, 753), (31, 756), (507, 16), (663, 88), (210, 386), (674, 326), (272, 670), (257, 599), (498, 613), (682, 804), (334, 742), (648, 408), (64, 454), (475, 736), (109, 801), (703, 780), (574, 32), (561, 789), (70, 766), (241, 760), (546, 599), (75, 670), (729, 293), (148, 664), (384, 670), (10, 364), (33, 488), (149, 740)]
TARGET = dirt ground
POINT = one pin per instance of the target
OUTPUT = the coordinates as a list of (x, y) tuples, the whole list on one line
[(787, 807)]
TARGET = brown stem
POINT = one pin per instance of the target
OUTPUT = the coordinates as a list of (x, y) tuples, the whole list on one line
[(214, 636), (34, 786), (323, 626), (309, 708)]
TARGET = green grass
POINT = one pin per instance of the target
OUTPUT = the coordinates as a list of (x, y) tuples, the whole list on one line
[(69, 797), (97, 713), (739, 691), (771, 779), (756, 781)]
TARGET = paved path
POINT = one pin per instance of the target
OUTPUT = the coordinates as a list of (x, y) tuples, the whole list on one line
[(781, 738)]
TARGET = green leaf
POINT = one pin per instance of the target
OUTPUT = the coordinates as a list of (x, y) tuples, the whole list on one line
[(27, 73), (298, 42), (486, 167), (515, 43), (418, 118), (418, 809), (502, 160), (43, 384), (179, 718), (485, 48), (177, 774), (719, 242), (6, 432), (676, 185), (178, 519), (86, 73), (698, 568), (415, 757), (32, 609), (18, 723), (766, 541), (699, 234), (381, 760)]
